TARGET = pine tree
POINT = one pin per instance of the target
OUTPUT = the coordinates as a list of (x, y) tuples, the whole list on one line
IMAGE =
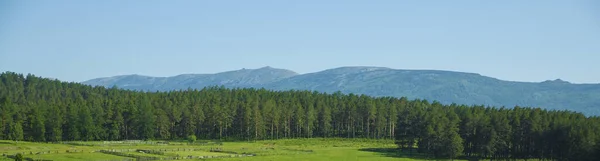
[(199, 119), (258, 121), (16, 131), (310, 120), (53, 124), (272, 118), (5, 116), (453, 143), (116, 126), (71, 126), (38, 127), (380, 120), (299, 119), (371, 115), (146, 119), (162, 125), (87, 128), (324, 119)]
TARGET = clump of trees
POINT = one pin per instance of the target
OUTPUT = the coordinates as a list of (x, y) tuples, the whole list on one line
[(44, 110)]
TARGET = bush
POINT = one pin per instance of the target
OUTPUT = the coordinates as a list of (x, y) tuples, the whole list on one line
[(19, 157), (191, 138)]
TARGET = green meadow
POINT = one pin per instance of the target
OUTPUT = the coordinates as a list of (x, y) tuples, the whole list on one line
[(285, 149)]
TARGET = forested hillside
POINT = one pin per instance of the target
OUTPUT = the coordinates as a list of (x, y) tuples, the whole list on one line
[(37, 109), (444, 86)]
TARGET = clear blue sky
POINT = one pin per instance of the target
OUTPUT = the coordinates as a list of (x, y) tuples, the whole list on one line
[(522, 40)]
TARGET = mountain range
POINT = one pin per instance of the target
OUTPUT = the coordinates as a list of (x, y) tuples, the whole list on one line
[(443, 86)]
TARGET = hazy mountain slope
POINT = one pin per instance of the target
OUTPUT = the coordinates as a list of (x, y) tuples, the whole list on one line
[(238, 78), (443, 86), (448, 87)]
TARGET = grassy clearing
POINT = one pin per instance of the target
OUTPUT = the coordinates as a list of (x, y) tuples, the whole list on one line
[(286, 149), (345, 154), (195, 153), (78, 156), (315, 150), (145, 154)]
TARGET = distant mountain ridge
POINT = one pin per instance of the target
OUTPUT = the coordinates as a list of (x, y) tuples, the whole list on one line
[(443, 86), (238, 78)]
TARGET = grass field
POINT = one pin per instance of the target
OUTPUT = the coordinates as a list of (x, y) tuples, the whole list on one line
[(287, 149)]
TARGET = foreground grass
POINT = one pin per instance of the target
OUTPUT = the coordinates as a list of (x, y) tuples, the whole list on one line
[(286, 149), (317, 149), (80, 156), (339, 153)]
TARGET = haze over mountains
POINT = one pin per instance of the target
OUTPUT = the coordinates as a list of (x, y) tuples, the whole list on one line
[(444, 86)]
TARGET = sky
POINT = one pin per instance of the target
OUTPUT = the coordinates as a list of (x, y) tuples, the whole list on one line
[(78, 40)]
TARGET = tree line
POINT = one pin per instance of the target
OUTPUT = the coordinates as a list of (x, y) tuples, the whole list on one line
[(45, 110)]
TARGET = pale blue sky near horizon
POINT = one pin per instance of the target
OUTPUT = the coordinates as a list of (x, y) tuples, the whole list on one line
[(72, 40)]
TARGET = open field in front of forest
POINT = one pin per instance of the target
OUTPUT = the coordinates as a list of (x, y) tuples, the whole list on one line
[(285, 149)]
